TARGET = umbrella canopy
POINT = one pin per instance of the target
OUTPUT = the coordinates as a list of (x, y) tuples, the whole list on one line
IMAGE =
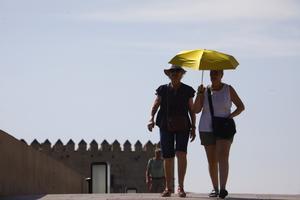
[(202, 59)]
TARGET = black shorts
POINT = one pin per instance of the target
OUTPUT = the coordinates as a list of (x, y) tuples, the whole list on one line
[(208, 138), (173, 142)]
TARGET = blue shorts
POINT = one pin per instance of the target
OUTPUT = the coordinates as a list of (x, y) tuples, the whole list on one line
[(172, 142)]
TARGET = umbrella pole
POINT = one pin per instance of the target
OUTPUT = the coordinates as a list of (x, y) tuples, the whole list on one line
[(202, 77)]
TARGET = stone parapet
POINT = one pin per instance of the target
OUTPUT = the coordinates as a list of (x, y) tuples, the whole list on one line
[(26, 170), (92, 147)]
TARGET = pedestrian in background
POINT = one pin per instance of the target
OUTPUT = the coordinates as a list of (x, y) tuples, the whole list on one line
[(155, 175)]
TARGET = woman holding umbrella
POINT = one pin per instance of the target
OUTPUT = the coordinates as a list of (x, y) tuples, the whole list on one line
[(176, 122), (217, 148)]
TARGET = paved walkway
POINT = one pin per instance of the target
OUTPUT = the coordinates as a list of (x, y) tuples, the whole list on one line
[(141, 196)]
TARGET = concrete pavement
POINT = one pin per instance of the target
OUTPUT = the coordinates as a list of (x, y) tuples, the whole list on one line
[(147, 196)]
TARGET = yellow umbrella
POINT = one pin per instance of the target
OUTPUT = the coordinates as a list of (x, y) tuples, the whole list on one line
[(202, 59)]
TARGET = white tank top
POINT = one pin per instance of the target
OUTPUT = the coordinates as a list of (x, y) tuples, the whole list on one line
[(222, 107)]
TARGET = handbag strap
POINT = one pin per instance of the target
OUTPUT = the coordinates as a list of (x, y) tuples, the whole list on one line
[(168, 88), (211, 108)]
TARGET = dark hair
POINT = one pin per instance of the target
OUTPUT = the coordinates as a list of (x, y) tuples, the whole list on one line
[(221, 70)]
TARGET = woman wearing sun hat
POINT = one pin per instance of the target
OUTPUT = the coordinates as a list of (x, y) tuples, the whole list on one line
[(176, 122)]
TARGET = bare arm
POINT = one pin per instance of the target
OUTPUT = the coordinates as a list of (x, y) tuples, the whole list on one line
[(147, 175), (154, 109), (237, 102), (193, 120), (198, 104)]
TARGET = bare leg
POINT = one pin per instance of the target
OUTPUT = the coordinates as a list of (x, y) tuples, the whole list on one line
[(211, 155), (182, 162), (223, 148), (168, 164)]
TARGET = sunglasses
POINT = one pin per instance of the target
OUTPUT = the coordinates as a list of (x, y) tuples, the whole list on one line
[(175, 71), (216, 72)]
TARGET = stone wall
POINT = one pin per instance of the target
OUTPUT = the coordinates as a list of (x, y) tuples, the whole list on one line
[(127, 163), (24, 170)]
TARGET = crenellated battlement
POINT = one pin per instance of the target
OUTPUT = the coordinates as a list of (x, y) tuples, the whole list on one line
[(127, 161), (93, 146)]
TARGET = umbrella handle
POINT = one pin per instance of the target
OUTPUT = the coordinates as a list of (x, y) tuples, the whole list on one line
[(202, 77)]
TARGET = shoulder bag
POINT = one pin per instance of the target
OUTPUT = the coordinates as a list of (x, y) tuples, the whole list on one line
[(222, 127)]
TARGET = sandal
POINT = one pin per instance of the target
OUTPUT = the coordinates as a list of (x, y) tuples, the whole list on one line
[(181, 192), (166, 193), (223, 193), (214, 193)]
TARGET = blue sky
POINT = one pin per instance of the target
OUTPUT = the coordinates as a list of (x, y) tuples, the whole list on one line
[(89, 70)]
